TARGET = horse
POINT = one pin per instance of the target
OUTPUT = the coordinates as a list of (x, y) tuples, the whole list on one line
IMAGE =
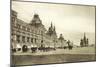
[(33, 49), (70, 45)]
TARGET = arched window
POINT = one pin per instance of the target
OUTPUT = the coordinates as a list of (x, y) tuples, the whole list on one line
[(18, 38), (27, 39), (32, 40), (35, 40), (23, 39)]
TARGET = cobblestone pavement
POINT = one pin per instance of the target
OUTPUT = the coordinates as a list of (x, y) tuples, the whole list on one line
[(57, 56)]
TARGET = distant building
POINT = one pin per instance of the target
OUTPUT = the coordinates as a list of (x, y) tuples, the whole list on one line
[(84, 42), (33, 34), (52, 35), (61, 41)]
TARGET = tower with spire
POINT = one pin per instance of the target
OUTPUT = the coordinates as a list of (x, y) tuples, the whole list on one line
[(84, 41), (52, 31), (52, 34)]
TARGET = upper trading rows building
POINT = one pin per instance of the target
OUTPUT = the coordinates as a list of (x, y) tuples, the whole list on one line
[(33, 34)]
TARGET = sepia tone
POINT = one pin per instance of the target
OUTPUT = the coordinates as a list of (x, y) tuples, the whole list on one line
[(47, 33)]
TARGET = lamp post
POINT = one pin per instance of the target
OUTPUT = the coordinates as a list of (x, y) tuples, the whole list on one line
[(35, 34), (42, 39), (54, 44)]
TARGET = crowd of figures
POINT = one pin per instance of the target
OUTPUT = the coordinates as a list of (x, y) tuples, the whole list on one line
[(42, 49), (83, 43)]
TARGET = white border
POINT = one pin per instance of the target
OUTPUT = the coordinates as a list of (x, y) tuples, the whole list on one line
[(5, 33)]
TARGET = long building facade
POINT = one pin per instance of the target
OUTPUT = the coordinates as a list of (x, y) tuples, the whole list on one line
[(34, 34)]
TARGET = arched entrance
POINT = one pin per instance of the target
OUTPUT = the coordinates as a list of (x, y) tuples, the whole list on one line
[(24, 48)]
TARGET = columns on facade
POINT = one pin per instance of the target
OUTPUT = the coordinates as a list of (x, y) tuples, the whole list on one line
[(20, 40), (25, 39)]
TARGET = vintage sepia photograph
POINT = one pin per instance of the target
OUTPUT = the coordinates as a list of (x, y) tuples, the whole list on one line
[(52, 33)]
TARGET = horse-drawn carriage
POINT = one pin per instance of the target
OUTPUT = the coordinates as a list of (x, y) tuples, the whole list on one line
[(70, 44)]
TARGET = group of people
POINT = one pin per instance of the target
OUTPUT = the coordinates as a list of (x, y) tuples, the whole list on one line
[(41, 48)]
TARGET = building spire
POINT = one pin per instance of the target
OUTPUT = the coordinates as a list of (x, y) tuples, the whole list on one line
[(54, 28), (84, 35), (51, 25)]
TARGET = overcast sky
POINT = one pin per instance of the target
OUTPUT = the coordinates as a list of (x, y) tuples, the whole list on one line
[(66, 18)]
